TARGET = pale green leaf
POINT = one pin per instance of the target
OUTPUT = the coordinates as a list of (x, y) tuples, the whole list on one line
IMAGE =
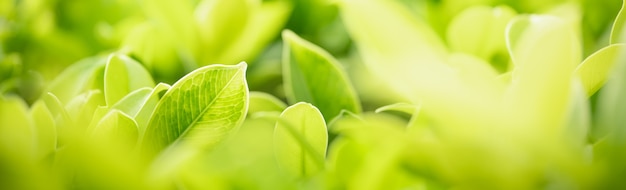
[(265, 22), (263, 102), (117, 127), (399, 107), (545, 52), (82, 107), (200, 110), (594, 71), (307, 121), (480, 30), (221, 22), (617, 36), (17, 133), (77, 78), (132, 102), (303, 63), (45, 129), (123, 75), (147, 108)]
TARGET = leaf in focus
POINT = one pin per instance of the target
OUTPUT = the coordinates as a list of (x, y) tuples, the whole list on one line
[(200, 110), (123, 75), (262, 102), (303, 63), (594, 71), (301, 120)]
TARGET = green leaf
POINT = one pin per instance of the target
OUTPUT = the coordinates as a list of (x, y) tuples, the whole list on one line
[(123, 75), (545, 52), (117, 127), (147, 108), (307, 122), (480, 30), (303, 63), (220, 22), (617, 36), (399, 107), (77, 78), (263, 102), (265, 22), (45, 129), (17, 133), (200, 110), (594, 71)]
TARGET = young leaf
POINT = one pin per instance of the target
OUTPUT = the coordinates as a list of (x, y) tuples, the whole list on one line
[(117, 127), (305, 120), (617, 36), (201, 109), (260, 102), (123, 75), (594, 71), (480, 30), (542, 75), (45, 129), (16, 131), (76, 78), (303, 63)]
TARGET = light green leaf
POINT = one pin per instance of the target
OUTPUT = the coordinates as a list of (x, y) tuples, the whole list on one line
[(307, 121), (617, 36), (480, 30), (45, 129), (82, 107), (132, 102), (265, 22), (117, 127), (77, 78), (140, 104), (147, 108), (594, 71), (17, 133), (542, 76), (262, 102), (221, 22), (303, 63), (123, 75), (200, 110), (399, 107)]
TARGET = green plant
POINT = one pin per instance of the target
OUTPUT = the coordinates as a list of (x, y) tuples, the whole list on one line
[(355, 94)]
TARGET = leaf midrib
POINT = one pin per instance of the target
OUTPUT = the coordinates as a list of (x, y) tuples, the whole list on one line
[(205, 109)]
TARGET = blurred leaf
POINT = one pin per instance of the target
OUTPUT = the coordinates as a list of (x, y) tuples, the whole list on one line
[(261, 101), (594, 71), (307, 121), (200, 110), (117, 127), (147, 108), (123, 75), (617, 36), (480, 31), (16, 129), (77, 78), (45, 129), (303, 62), (265, 22), (220, 23), (543, 75)]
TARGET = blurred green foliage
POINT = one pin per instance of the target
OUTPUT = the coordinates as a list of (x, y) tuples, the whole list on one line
[(355, 94)]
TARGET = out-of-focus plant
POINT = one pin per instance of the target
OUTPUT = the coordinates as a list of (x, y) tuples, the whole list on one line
[(480, 94)]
